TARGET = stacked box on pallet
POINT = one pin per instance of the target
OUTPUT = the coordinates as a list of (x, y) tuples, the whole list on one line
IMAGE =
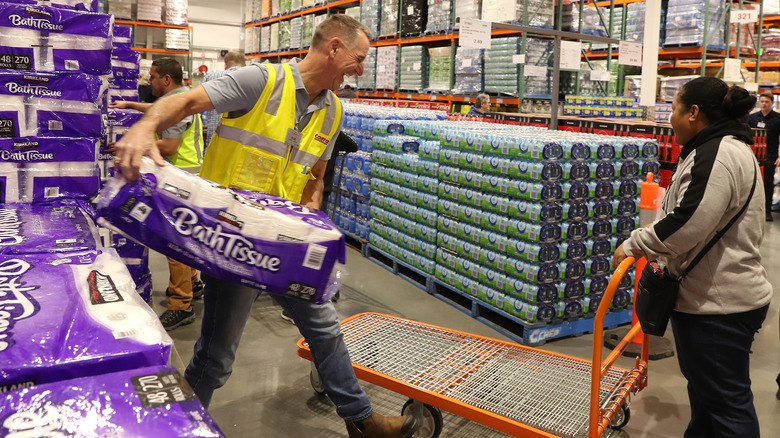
[(537, 13), (501, 73), (370, 13), (296, 32), (468, 71), (613, 26), (439, 68), (308, 31), (274, 37), (295, 5), (570, 16), (177, 39), (285, 7), (439, 16), (388, 22), (284, 35), (349, 203), (414, 17), (586, 85), (150, 10), (529, 218), (687, 20), (353, 12), (265, 39), (404, 187), (466, 9), (367, 81), (175, 12), (538, 53), (387, 67), (635, 22), (413, 68)]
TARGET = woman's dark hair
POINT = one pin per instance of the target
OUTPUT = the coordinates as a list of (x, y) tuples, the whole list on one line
[(715, 99)]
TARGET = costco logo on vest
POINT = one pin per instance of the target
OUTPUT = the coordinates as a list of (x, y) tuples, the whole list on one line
[(321, 139)]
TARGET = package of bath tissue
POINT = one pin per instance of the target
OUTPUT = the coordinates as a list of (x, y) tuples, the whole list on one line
[(46, 182), (259, 240), (150, 401), (123, 37), (68, 315), (79, 5), (50, 105), (62, 226), (46, 38), (125, 62)]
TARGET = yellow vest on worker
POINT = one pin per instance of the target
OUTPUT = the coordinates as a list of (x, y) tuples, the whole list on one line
[(250, 152), (189, 154)]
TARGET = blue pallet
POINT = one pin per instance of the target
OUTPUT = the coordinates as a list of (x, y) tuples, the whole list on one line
[(523, 332), (408, 272)]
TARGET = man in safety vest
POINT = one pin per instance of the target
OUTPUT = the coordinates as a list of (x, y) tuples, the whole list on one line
[(277, 137), (182, 146)]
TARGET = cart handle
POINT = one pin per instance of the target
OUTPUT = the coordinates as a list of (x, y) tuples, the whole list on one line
[(597, 424)]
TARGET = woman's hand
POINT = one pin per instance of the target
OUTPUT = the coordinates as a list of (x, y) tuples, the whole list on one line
[(619, 256)]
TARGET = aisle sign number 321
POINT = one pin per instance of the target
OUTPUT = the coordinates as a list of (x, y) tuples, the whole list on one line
[(744, 16)]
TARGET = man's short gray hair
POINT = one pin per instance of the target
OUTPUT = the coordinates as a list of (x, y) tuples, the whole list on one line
[(341, 26), (481, 99)]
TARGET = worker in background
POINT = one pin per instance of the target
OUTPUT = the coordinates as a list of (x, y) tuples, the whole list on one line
[(233, 61), (285, 114), (767, 118), (182, 145), (348, 93), (481, 106)]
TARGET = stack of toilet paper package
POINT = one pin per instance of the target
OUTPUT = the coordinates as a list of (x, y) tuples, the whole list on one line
[(79, 5), (124, 66), (259, 240), (52, 100)]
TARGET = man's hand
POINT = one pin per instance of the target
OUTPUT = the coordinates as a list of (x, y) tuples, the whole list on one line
[(129, 150), (619, 256), (777, 162), (120, 104)]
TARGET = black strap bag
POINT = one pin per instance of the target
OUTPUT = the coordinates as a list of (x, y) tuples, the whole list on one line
[(657, 291)]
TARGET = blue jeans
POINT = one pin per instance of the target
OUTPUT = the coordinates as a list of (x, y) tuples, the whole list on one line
[(714, 356), (226, 308)]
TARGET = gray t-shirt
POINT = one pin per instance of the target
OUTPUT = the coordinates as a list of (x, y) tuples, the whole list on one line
[(238, 92), (177, 130)]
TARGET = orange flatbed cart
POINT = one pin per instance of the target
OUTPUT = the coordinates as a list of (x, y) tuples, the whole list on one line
[(518, 390)]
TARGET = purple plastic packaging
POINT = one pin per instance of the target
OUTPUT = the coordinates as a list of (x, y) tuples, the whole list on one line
[(198, 223), (46, 38), (123, 37), (145, 402), (47, 150), (41, 228), (78, 5), (125, 62), (73, 315)]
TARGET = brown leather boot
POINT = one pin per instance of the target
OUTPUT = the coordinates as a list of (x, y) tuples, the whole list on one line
[(379, 426)]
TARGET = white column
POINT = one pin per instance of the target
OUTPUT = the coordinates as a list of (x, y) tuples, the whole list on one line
[(650, 52)]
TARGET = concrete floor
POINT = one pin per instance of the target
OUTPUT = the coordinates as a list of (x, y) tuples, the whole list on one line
[(269, 394)]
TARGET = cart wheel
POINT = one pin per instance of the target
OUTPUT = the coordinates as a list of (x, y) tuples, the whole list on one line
[(621, 417), (316, 383), (432, 421)]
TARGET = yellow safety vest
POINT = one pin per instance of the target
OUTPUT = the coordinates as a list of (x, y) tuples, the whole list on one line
[(250, 152), (189, 154)]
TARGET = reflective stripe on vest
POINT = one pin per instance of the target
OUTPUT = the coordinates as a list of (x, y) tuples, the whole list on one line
[(250, 152)]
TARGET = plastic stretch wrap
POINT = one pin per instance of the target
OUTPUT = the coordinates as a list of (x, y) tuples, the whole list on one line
[(260, 240), (57, 227), (123, 37), (45, 38), (125, 63), (78, 5), (45, 169), (74, 315), (150, 401)]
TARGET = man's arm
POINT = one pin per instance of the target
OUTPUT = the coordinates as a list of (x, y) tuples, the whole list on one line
[(164, 113), (312, 193), (123, 104)]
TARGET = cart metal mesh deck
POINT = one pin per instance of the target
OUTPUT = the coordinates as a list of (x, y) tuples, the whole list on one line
[(543, 390)]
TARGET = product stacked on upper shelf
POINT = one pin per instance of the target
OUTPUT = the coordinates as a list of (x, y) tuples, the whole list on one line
[(370, 13), (501, 71), (284, 35), (175, 12), (529, 218), (439, 16), (612, 27), (414, 17), (468, 71), (413, 69), (296, 32), (52, 98), (150, 10), (387, 68), (367, 81), (536, 13), (404, 188), (439, 69), (388, 22), (686, 22), (539, 56)]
